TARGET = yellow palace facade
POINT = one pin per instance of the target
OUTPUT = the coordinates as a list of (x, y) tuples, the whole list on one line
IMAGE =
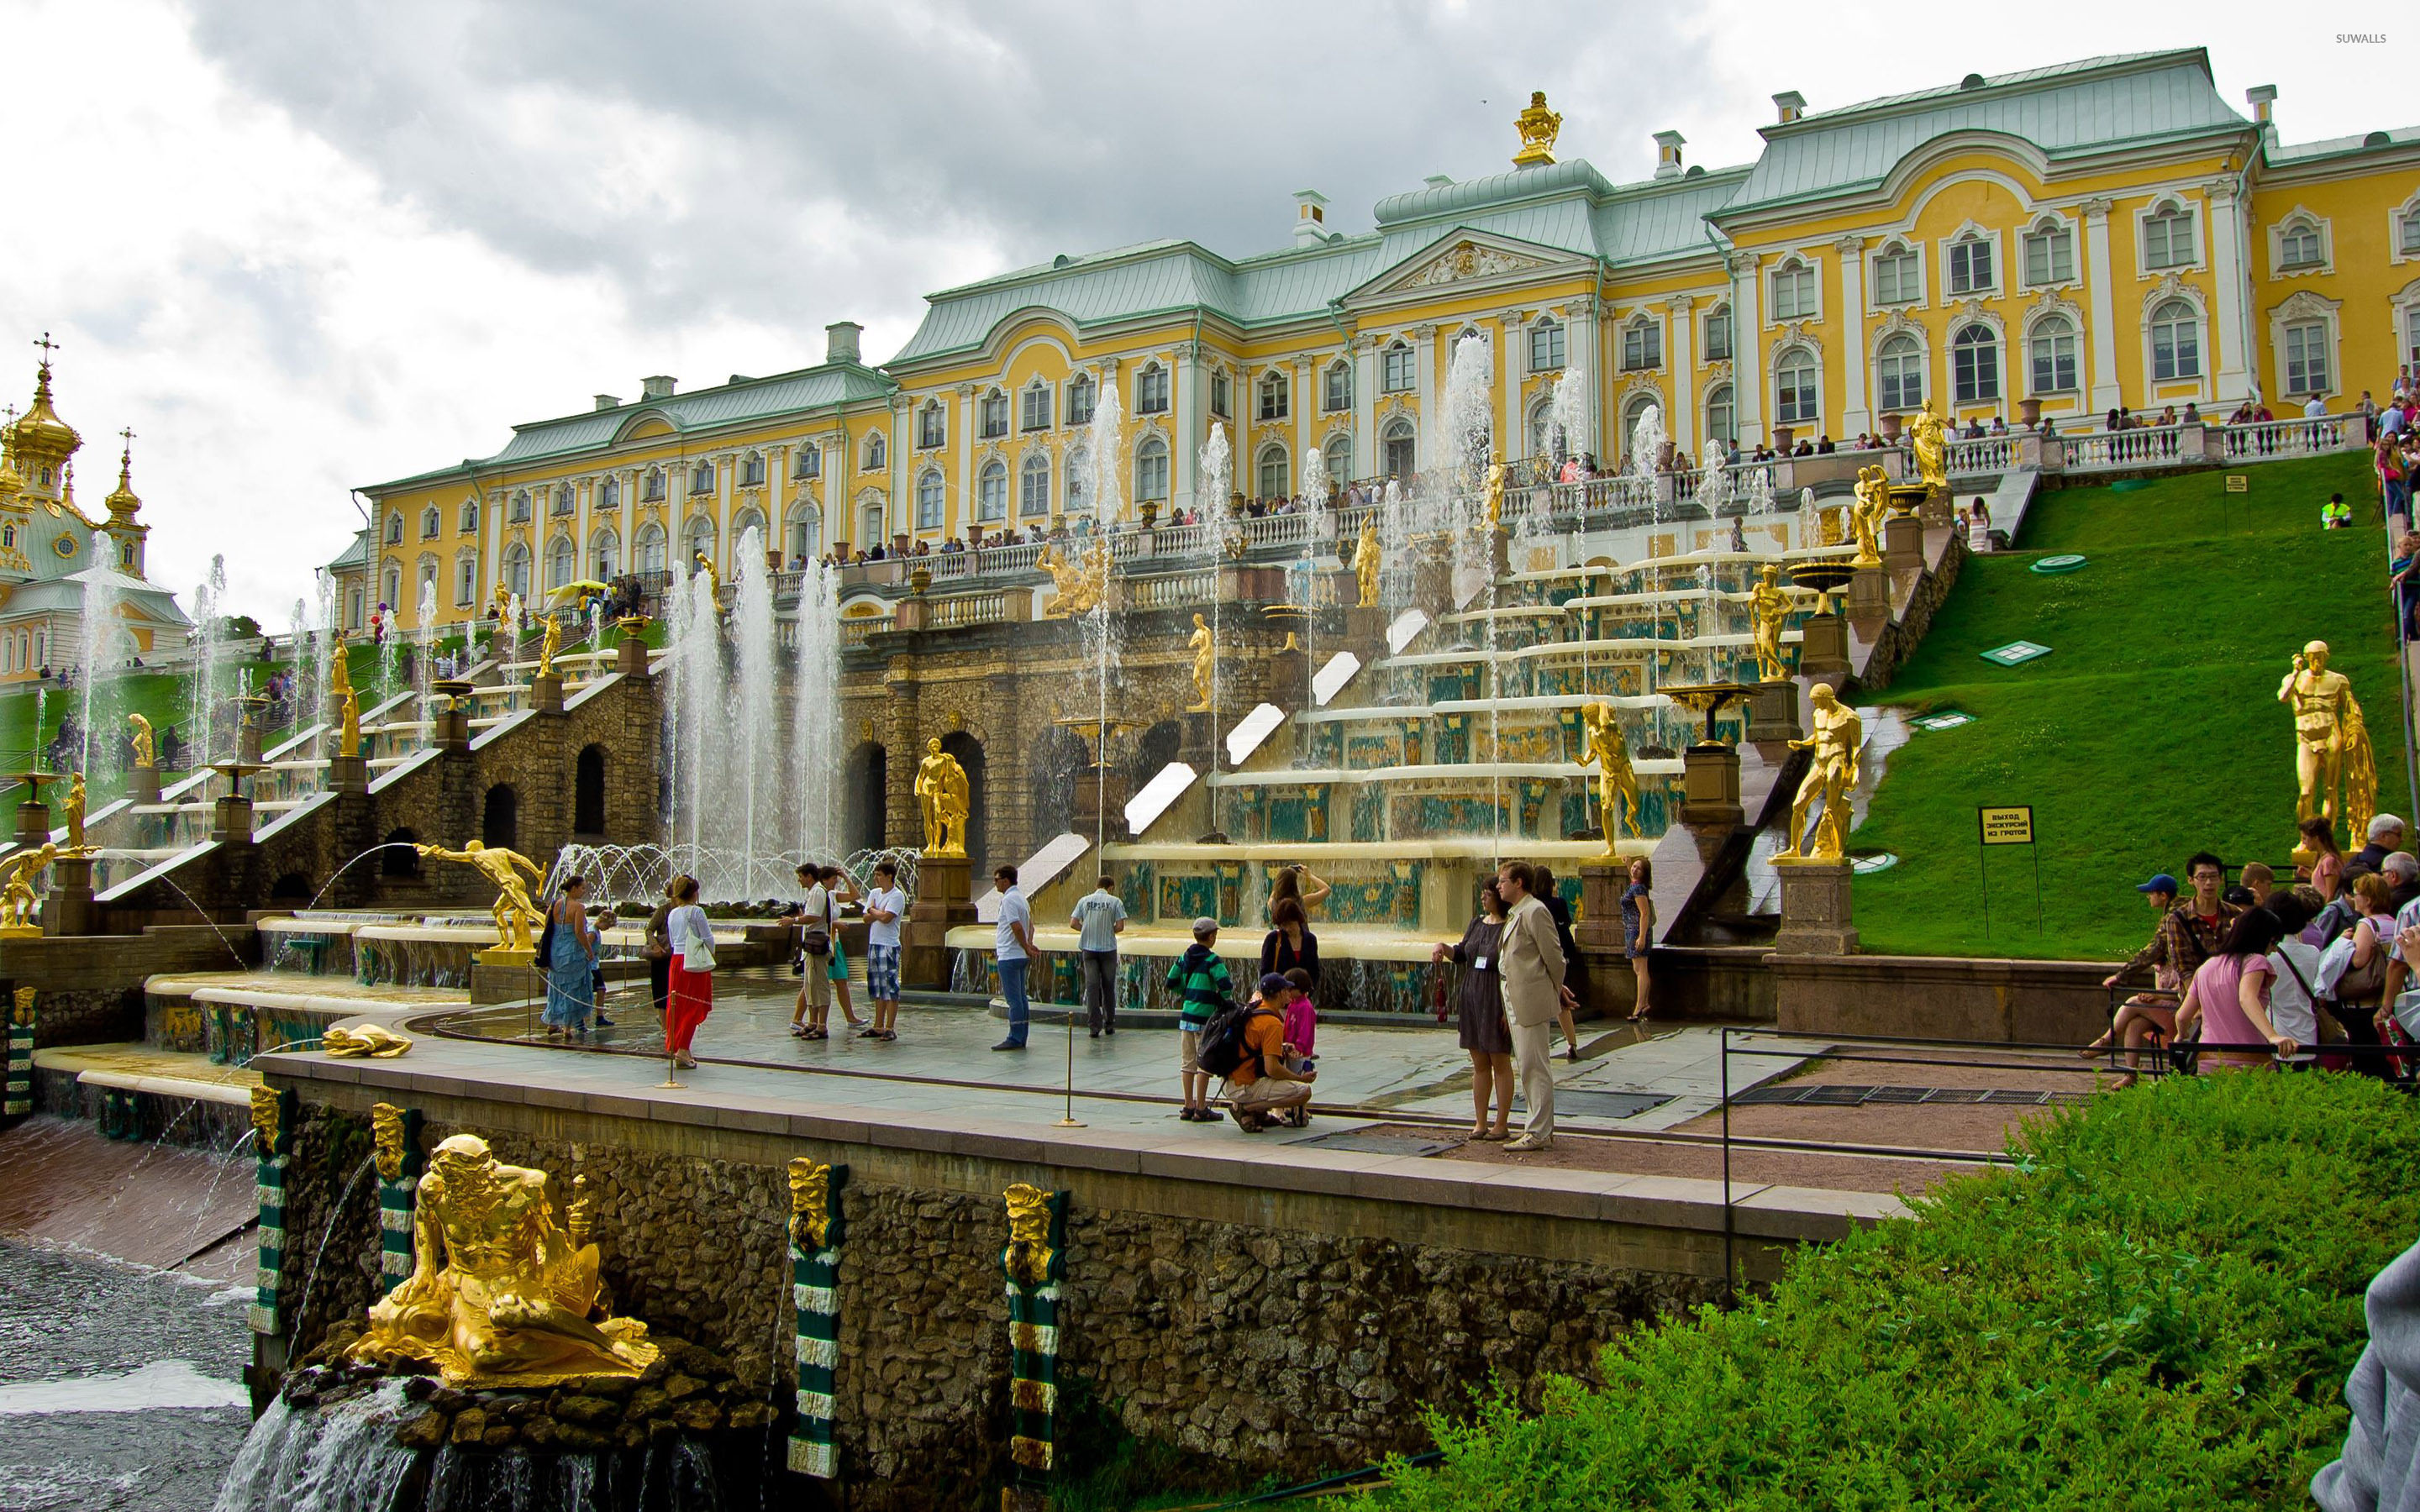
[(2060, 241)]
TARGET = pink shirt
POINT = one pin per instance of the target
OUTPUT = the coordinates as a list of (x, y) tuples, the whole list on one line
[(2326, 873), (2217, 986), (1301, 1024)]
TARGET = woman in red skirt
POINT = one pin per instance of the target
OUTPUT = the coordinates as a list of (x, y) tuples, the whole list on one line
[(692, 980)]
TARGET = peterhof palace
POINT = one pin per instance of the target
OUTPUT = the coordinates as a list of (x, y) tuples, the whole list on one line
[(2057, 243)]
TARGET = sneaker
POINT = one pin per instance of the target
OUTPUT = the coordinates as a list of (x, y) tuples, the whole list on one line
[(1010, 1044), (1189, 1115), (604, 1022), (1528, 1143)]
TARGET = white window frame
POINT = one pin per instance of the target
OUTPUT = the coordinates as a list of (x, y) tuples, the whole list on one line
[(1720, 317), (1273, 397), (932, 499), (2055, 232), (652, 551), (2068, 330), (1642, 344), (1548, 345), (752, 470), (2292, 227), (1221, 394), (2188, 213), (809, 463), (1273, 454), (1151, 471), (1082, 395), (1906, 271), (1972, 243), (609, 493), (991, 492), (469, 522), (2153, 324), (2403, 232), (1034, 406), (605, 553), (466, 579), (652, 490), (1796, 264), (991, 416), (1399, 431), (2311, 337), (1152, 389), (562, 562), (1032, 501), (1339, 445), (932, 424), (1814, 414), (701, 479), (1898, 360), (875, 451), (1336, 387), (1721, 410), (1993, 345), (1399, 369)]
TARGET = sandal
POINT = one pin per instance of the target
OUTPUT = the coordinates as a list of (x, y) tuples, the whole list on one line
[(797, 1031), (816, 1034), (889, 1034)]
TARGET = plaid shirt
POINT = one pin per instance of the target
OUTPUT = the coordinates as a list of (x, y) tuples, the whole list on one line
[(2183, 941)]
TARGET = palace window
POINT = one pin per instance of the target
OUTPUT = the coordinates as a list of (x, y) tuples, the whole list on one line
[(2175, 341), (395, 528), (1396, 373), (928, 500), (872, 519), (701, 478), (1080, 394), (605, 555), (1793, 291), (466, 580), (1974, 364), (519, 512), (991, 416), (2050, 255), (1219, 396), (1722, 414), (564, 501), (809, 463), (1402, 449), (1547, 345), (651, 553), (1034, 406), (653, 491), (1151, 390), (1970, 267), (609, 493), (932, 424), (1079, 480), (517, 571), (1793, 386), (807, 533), (1033, 485), (1718, 333), (1899, 370), (1336, 387), (701, 539), (752, 470), (1895, 276), (1274, 397), (1339, 459), (991, 492), (2407, 233), (2298, 245), (2307, 358), (1272, 468), (1642, 345), (1151, 471), (875, 453), (1546, 438), (2054, 356), (746, 520), (563, 563), (469, 523), (430, 522), (2167, 239)]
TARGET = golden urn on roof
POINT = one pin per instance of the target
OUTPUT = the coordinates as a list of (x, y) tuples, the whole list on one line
[(1539, 127)]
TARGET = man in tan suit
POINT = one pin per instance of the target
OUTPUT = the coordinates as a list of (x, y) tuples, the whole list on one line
[(1532, 966)]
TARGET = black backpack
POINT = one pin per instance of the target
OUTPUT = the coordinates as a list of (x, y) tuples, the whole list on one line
[(1220, 1050)]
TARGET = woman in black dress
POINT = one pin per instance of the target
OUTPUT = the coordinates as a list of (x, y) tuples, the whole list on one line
[(1290, 943), (1485, 1031)]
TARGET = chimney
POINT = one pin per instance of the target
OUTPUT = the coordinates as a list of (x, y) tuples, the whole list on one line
[(606, 401), (2263, 100), (840, 340), (1667, 154), (1310, 217), (1437, 181), (657, 387), (1792, 104)]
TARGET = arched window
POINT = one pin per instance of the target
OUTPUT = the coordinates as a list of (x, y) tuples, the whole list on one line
[(752, 470), (1398, 370), (2175, 341), (991, 491), (1722, 414), (469, 523), (1546, 345), (2053, 355), (651, 554), (701, 478), (517, 570), (875, 453), (1970, 265), (1151, 471), (2167, 237), (1079, 480), (466, 580), (991, 416), (1336, 387), (1276, 396), (653, 490), (874, 519), (1151, 390), (1080, 394), (1402, 446), (809, 463), (1632, 413), (1896, 279), (1974, 364), (430, 522), (561, 562), (807, 532), (1544, 432), (2298, 244), (588, 791), (932, 424), (604, 554), (609, 493), (1033, 485), (395, 528), (520, 511), (2407, 233), (393, 582), (565, 503), (1034, 406), (1340, 457), (1718, 333), (746, 520), (928, 500), (1794, 388), (701, 540), (1642, 345), (2050, 252), (1271, 471), (1793, 290)]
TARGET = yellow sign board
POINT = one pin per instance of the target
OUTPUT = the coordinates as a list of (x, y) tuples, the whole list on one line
[(2008, 825), (2238, 483)]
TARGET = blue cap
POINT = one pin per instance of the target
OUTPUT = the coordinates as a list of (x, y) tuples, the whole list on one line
[(2163, 883), (1274, 983)]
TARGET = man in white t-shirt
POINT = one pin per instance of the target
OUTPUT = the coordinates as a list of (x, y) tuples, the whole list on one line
[(1013, 949), (1099, 918), (885, 906), (2315, 407)]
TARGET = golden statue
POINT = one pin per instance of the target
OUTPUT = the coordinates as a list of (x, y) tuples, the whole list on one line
[(17, 896), (387, 1139), (348, 701), (705, 564), (1495, 492), (498, 1295), (73, 815), (499, 603), (1866, 516), (1539, 127), (549, 642), (1365, 561), (1205, 664), (268, 1120), (810, 1213), (362, 1041), (1768, 606), (1932, 447), (2331, 741), (138, 733), (1079, 586), (514, 913), (23, 1014), (1028, 1254), (1616, 780), (1837, 738), (941, 790)]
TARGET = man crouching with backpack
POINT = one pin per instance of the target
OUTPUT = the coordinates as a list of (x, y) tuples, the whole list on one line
[(1261, 1087)]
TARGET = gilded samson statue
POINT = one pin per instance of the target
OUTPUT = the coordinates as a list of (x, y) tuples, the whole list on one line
[(515, 915), (1768, 605), (2331, 744), (1837, 738), (942, 790), (1616, 780)]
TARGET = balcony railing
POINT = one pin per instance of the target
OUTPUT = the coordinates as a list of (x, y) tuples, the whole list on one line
[(2292, 437)]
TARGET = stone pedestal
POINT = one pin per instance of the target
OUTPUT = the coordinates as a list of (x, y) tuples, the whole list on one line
[(503, 983), (1902, 544), (631, 656), (231, 820), (1814, 909), (546, 693), (1101, 794), (143, 784), (346, 774), (944, 903), (1772, 712), (247, 744), (1710, 787), (506, 957), (33, 822), (1602, 883), (1870, 596), (1365, 625), (1289, 675), (450, 729), (68, 910), (1937, 509), (1499, 551), (1823, 651)]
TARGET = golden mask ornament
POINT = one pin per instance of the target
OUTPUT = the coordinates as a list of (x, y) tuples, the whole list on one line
[(268, 1118), (1029, 1255), (811, 1207), (23, 1016), (387, 1134)]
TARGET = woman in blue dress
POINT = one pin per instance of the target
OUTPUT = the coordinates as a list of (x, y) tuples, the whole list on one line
[(571, 961)]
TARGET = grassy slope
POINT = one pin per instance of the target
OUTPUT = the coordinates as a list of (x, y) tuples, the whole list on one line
[(159, 697), (2151, 732)]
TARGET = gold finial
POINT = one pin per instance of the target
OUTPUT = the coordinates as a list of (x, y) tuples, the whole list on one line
[(1538, 127)]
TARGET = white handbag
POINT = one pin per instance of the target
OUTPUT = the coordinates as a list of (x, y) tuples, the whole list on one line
[(699, 956)]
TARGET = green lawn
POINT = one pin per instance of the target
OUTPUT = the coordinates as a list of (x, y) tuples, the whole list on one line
[(2152, 730)]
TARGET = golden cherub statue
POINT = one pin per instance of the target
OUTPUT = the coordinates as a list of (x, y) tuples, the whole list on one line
[(73, 815), (371, 1041), (514, 913), (1078, 586), (17, 896), (138, 732), (1927, 439), (1205, 664), (1539, 127), (941, 790), (500, 1296), (1768, 606), (1866, 516), (1837, 738), (1365, 561), (1616, 780), (549, 642), (2331, 743)]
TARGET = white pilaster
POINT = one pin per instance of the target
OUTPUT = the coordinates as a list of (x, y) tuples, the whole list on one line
[(1747, 348), (1424, 359), (1584, 355), (897, 508), (1857, 413), (1365, 405), (965, 441), (1191, 406), (1508, 367), (2102, 338), (1681, 419), (2226, 233), (1306, 415)]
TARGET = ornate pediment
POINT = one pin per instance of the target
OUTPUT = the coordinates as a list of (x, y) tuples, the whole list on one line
[(1461, 260)]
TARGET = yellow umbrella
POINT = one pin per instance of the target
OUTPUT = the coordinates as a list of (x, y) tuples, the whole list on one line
[(583, 586)]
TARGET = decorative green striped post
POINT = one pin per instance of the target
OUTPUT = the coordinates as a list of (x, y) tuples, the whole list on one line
[(396, 1132), (20, 1056), (273, 1124), (816, 1235), (1037, 1241)]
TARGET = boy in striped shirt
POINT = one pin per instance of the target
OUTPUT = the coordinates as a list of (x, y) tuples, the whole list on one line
[(1202, 987)]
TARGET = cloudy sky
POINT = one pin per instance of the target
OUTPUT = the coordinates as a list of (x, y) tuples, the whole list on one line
[(300, 247)]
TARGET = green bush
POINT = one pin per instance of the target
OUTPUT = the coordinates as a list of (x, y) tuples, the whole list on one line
[(2157, 1309)]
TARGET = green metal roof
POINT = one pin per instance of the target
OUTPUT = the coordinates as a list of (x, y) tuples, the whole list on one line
[(355, 555), (2338, 147)]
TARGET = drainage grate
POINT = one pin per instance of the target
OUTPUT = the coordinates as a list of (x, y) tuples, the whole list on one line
[(1591, 1104), (1377, 1142), (1955, 1094), (2026, 1099), (1835, 1095), (1790, 1093)]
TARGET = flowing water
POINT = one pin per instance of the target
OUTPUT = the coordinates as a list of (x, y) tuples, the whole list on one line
[(98, 659), (203, 695)]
